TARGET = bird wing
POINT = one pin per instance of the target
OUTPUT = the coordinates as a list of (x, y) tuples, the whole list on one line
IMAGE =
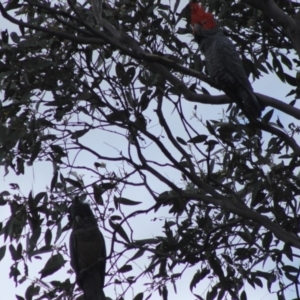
[(88, 252), (230, 60), (73, 253), (236, 75), (88, 255)]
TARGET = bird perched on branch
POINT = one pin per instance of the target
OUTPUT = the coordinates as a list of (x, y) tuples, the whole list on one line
[(87, 251), (223, 62)]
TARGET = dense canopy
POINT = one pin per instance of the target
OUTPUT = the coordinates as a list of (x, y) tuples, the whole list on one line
[(113, 97)]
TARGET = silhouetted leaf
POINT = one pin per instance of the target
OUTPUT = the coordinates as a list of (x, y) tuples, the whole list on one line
[(73, 182), (287, 249), (35, 151), (119, 229), (267, 117), (79, 133), (271, 280), (53, 264), (198, 139), (120, 115), (53, 181), (98, 191), (125, 201), (48, 237), (198, 277), (139, 296), (285, 60), (138, 254), (31, 291), (145, 100), (267, 239), (210, 128), (120, 71), (181, 141), (125, 268), (2, 252)]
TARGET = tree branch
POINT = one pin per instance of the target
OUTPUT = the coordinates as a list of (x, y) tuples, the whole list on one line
[(244, 211), (289, 25), (152, 58), (97, 10), (129, 46)]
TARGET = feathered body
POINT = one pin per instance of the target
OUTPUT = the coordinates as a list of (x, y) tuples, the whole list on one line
[(223, 62), (88, 252)]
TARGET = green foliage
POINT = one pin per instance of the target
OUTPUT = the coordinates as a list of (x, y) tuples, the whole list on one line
[(229, 192)]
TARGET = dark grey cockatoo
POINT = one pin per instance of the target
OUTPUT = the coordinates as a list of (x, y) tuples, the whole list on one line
[(87, 251), (223, 62)]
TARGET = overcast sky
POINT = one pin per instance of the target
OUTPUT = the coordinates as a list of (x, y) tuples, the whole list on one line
[(39, 176)]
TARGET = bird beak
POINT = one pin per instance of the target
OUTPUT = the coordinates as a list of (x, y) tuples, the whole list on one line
[(196, 29), (78, 219)]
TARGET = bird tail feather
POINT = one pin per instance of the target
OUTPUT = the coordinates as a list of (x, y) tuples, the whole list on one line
[(90, 286)]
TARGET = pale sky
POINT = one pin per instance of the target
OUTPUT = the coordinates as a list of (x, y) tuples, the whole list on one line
[(39, 176)]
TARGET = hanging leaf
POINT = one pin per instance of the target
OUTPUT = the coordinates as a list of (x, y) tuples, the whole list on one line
[(267, 117), (119, 229), (139, 296), (120, 71), (198, 139), (79, 133), (48, 237), (53, 264), (2, 252), (98, 191), (181, 141), (125, 268), (198, 276), (73, 182), (125, 201)]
